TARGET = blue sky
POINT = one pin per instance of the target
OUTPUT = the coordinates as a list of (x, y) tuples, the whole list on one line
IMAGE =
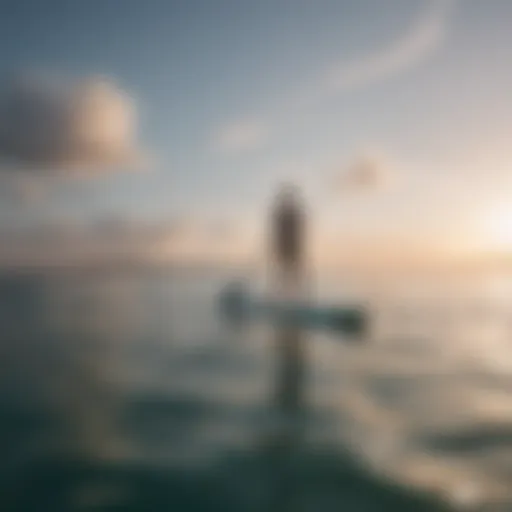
[(235, 95)]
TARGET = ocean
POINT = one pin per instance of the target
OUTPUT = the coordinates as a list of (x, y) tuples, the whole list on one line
[(130, 392)]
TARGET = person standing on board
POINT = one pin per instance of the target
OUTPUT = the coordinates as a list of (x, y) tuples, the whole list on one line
[(287, 253)]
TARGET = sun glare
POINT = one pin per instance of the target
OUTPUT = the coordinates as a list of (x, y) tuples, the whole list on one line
[(498, 228)]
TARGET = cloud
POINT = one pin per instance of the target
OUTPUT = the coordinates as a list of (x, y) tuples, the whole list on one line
[(113, 240), (368, 172), (55, 125), (420, 40), (206, 240), (66, 243), (240, 137)]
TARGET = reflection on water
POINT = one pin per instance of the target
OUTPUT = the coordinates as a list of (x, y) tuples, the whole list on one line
[(128, 393)]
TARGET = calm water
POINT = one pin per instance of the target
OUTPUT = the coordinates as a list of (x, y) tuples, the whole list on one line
[(129, 393)]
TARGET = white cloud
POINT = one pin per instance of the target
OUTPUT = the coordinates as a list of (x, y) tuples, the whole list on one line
[(54, 125), (368, 172), (420, 40), (240, 137)]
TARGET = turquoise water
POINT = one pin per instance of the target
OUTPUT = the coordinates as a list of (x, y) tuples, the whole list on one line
[(129, 393)]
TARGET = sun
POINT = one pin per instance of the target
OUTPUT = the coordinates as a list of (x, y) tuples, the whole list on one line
[(498, 226)]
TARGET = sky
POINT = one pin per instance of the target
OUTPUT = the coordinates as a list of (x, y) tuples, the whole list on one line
[(393, 117)]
